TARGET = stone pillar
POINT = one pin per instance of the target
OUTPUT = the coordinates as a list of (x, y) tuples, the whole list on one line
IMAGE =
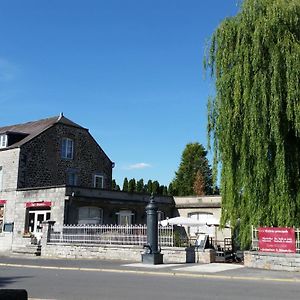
[(47, 227)]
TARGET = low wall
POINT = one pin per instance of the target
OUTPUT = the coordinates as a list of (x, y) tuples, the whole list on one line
[(126, 253), (272, 261), (5, 241)]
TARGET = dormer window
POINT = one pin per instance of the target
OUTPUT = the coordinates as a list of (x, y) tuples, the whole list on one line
[(3, 141), (67, 148)]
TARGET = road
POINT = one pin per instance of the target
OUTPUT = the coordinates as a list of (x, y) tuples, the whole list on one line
[(112, 284)]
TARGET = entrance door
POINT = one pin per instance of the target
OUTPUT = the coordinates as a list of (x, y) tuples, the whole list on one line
[(36, 217)]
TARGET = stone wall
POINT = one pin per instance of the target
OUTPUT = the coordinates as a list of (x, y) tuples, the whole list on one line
[(41, 163), (5, 241), (15, 212), (120, 252), (9, 161), (272, 261)]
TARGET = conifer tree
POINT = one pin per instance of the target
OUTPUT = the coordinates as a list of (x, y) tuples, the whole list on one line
[(149, 187), (199, 184), (125, 185), (132, 186), (140, 186), (155, 187), (193, 159)]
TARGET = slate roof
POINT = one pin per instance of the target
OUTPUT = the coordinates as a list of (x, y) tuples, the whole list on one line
[(33, 129)]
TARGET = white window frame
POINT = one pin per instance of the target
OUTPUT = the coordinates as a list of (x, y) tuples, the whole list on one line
[(2, 206), (95, 181), (3, 141), (1, 178), (67, 148), (125, 217), (89, 219), (160, 215), (196, 230)]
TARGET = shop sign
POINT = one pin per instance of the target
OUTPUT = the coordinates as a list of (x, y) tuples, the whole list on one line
[(276, 239), (38, 204)]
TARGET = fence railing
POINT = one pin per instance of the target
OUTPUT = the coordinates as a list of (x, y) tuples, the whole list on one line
[(255, 244), (110, 235)]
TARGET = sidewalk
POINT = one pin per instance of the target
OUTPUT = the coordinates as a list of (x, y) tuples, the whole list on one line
[(213, 271)]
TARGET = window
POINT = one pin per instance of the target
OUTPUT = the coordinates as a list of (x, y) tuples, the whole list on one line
[(3, 140), (160, 216), (98, 181), (201, 229), (1, 217), (90, 215), (67, 148), (72, 177), (125, 217), (1, 178)]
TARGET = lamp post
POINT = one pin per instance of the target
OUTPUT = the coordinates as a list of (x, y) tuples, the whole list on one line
[(152, 254)]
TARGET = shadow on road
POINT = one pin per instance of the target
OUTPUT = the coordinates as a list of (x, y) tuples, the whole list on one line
[(9, 280)]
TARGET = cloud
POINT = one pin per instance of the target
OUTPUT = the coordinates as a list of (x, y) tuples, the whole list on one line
[(7, 70), (138, 166)]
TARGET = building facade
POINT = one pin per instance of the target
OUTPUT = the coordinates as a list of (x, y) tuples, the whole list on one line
[(195, 207), (54, 169)]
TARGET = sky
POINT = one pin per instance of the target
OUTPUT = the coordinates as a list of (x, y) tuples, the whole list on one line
[(131, 71)]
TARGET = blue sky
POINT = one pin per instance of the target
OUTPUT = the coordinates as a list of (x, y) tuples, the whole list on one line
[(129, 70)]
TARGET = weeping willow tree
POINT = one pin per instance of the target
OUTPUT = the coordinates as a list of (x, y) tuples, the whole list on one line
[(254, 118)]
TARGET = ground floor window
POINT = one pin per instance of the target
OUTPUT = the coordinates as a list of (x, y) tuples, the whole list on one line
[(35, 219), (90, 215), (160, 216), (204, 229), (1, 217), (125, 217)]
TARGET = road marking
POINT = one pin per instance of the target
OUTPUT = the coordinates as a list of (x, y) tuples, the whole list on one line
[(141, 265), (210, 268), (39, 299), (169, 274)]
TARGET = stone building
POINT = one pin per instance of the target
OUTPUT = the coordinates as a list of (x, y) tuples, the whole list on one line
[(197, 206), (54, 169)]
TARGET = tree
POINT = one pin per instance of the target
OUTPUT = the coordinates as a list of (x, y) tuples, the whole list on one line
[(115, 186), (155, 187), (199, 184), (140, 186), (125, 185), (164, 190), (171, 191), (148, 187), (193, 160), (254, 119), (132, 186)]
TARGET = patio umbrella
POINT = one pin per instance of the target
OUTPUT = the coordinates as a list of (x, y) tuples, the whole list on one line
[(182, 221)]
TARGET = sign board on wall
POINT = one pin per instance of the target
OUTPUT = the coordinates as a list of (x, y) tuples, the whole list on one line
[(276, 239), (38, 204)]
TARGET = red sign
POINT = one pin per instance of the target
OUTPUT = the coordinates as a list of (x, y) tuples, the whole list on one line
[(276, 239), (38, 204), (2, 201)]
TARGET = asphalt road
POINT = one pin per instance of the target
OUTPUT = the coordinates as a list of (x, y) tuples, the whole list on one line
[(64, 284)]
